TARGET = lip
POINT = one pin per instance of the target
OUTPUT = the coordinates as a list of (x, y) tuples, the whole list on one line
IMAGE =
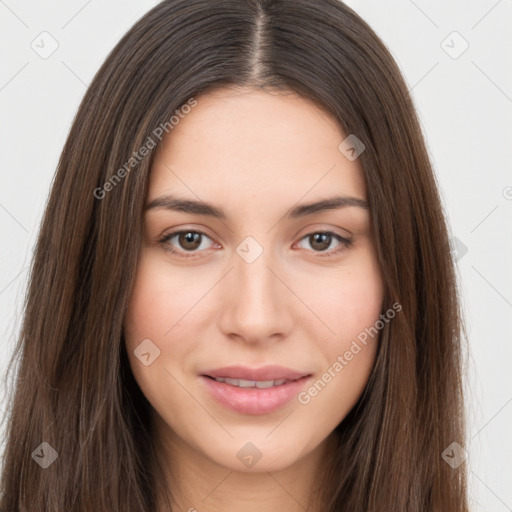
[(254, 401)]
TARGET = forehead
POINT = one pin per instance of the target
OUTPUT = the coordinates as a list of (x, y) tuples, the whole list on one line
[(249, 144)]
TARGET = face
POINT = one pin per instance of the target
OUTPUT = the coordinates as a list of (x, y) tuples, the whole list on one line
[(251, 288)]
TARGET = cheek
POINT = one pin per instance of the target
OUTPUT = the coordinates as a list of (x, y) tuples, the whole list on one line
[(347, 300), (351, 308), (161, 298), (160, 301)]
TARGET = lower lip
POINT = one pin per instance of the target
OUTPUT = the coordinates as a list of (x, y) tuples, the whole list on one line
[(253, 400)]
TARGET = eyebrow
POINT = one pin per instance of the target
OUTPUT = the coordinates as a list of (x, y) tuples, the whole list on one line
[(170, 202)]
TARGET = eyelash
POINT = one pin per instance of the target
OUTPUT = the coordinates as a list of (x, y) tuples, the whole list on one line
[(164, 241)]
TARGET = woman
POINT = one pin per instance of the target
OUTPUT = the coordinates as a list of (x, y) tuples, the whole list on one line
[(242, 295)]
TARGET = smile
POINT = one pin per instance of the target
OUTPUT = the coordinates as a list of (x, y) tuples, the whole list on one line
[(254, 396), (261, 384)]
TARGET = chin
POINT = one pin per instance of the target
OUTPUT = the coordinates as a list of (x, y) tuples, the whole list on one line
[(255, 454)]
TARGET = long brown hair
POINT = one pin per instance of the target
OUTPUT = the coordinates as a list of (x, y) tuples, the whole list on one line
[(74, 388)]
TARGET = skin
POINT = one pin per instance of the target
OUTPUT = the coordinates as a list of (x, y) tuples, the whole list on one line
[(254, 154)]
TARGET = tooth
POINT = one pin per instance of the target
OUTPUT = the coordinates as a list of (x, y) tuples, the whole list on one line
[(243, 383), (246, 383), (263, 384)]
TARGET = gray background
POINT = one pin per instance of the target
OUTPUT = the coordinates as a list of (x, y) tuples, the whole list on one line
[(463, 96)]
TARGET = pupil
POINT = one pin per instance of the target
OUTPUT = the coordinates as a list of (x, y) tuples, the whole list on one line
[(190, 240), (323, 238)]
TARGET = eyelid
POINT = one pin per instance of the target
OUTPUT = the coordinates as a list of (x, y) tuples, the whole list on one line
[(164, 239), (345, 243), (322, 228)]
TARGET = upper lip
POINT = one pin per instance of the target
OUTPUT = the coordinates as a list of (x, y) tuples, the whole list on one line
[(264, 373)]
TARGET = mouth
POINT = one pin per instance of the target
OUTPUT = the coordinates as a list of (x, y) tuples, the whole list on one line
[(243, 383), (254, 391)]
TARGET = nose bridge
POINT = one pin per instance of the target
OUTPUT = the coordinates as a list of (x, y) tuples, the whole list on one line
[(255, 278), (257, 305)]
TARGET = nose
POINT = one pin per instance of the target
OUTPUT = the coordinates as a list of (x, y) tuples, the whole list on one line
[(258, 304)]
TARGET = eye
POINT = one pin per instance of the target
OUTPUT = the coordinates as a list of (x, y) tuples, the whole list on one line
[(189, 241), (322, 240)]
